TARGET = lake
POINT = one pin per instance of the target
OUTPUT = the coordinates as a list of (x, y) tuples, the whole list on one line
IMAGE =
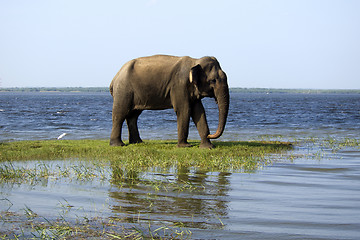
[(27, 116), (312, 192)]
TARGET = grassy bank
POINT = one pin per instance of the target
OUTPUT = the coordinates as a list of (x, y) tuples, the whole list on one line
[(163, 154), (108, 164)]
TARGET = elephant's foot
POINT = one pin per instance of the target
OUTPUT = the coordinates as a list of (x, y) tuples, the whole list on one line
[(135, 141), (184, 145), (116, 143), (207, 145)]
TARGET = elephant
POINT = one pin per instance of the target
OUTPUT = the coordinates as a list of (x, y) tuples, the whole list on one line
[(161, 82)]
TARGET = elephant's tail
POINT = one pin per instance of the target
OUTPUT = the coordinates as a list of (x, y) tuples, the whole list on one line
[(111, 88)]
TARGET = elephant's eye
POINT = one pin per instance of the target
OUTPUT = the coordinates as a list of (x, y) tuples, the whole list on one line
[(212, 81)]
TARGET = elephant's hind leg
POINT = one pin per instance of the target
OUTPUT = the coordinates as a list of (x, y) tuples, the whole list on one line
[(115, 137), (119, 113), (131, 121)]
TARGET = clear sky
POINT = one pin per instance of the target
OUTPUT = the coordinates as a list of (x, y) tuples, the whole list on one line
[(259, 43)]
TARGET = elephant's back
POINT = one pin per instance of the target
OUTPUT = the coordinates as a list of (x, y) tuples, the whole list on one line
[(150, 64), (154, 62)]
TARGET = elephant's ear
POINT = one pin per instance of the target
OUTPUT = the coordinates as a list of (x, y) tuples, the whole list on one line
[(195, 74)]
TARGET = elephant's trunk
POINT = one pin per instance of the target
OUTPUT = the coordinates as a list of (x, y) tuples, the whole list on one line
[(222, 97)]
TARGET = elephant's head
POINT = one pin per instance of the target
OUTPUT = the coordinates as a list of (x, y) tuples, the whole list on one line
[(211, 81)]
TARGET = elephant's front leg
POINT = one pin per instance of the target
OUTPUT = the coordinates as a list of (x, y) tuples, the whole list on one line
[(183, 121), (199, 118)]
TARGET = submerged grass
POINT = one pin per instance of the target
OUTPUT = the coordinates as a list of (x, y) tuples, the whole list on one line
[(160, 154), (121, 166), (30, 225)]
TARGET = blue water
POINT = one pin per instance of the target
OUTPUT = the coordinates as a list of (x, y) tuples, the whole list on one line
[(311, 193), (27, 116)]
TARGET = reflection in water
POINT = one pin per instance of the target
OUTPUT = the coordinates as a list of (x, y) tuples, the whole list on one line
[(193, 198), (306, 199)]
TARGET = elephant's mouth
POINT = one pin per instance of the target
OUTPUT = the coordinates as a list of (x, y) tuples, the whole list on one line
[(209, 94), (216, 101)]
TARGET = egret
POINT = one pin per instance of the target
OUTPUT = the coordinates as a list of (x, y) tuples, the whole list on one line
[(61, 136)]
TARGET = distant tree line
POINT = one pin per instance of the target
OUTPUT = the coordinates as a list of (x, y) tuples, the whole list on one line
[(302, 91), (234, 90), (56, 89)]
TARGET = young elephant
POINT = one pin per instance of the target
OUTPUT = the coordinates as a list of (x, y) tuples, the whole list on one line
[(162, 82)]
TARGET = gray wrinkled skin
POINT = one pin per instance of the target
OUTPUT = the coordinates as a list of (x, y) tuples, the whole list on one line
[(162, 82)]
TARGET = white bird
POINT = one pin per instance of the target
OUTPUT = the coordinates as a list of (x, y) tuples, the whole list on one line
[(61, 136)]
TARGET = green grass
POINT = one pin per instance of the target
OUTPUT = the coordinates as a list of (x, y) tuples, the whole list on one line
[(151, 154), (124, 164), (30, 225)]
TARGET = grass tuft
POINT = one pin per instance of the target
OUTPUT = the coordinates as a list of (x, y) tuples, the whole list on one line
[(160, 154)]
